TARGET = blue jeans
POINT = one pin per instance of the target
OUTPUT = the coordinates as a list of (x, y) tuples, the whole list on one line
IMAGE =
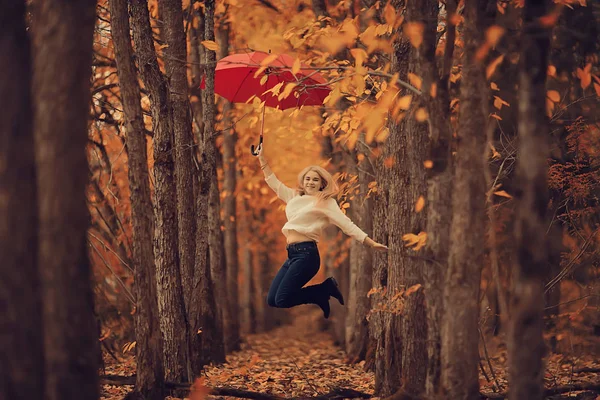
[(301, 266)]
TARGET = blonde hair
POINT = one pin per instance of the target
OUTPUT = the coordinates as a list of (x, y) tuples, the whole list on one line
[(328, 186)]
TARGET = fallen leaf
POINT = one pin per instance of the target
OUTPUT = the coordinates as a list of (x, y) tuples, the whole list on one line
[(210, 45)]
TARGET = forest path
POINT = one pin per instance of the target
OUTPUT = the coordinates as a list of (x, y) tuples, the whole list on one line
[(297, 359), (292, 360)]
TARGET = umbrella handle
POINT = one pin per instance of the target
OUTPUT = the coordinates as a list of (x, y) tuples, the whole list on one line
[(255, 153)]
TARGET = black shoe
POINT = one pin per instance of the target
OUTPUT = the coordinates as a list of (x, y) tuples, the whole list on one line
[(334, 290), (324, 304)]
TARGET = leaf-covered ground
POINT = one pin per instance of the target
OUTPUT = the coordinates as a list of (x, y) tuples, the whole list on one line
[(300, 359)]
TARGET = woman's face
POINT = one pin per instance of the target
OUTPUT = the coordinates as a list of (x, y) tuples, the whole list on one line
[(312, 182)]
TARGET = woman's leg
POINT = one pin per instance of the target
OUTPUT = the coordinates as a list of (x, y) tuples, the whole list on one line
[(275, 284), (291, 292)]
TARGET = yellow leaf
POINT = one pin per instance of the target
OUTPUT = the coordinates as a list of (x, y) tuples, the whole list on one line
[(210, 45), (494, 86), (359, 56), (389, 13), (414, 31), (420, 204), (296, 66), (287, 91), (415, 80), (489, 71), (404, 102), (496, 116), (412, 289), (498, 103), (493, 34), (421, 115), (428, 164), (551, 70), (268, 60), (502, 193), (433, 90), (264, 79), (597, 89), (553, 95), (418, 241)]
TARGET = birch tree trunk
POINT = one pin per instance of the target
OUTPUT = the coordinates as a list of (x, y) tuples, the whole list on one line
[(63, 38), (176, 75), (171, 306), (149, 359), (21, 347), (460, 355), (527, 325), (439, 178)]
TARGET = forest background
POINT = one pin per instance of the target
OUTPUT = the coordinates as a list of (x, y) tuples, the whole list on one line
[(464, 136)]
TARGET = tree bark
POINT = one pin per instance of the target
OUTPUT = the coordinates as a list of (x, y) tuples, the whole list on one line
[(21, 347), (408, 143), (357, 324), (63, 38), (232, 328), (149, 359), (460, 357), (169, 288), (439, 178), (176, 75), (203, 318), (248, 320), (526, 331)]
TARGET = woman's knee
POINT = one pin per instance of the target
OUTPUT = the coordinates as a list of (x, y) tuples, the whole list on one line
[(283, 300), (271, 300)]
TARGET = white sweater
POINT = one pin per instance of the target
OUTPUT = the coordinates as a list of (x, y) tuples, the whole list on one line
[(307, 217)]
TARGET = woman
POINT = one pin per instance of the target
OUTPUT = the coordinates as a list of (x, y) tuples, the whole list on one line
[(310, 208)]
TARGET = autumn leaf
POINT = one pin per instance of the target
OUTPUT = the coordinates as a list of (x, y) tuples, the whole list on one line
[(493, 86), (433, 90), (493, 34), (420, 204), (296, 66), (389, 14), (389, 162), (414, 32), (287, 91), (404, 102), (418, 241), (268, 60), (498, 103), (428, 164), (415, 80), (553, 95), (585, 75), (551, 70), (421, 115), (210, 45), (502, 193), (199, 391), (491, 68), (412, 289)]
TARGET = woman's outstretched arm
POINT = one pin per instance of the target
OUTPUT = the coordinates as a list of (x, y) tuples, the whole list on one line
[(342, 221), (282, 191)]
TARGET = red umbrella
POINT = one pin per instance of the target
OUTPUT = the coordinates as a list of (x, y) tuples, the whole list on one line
[(235, 80)]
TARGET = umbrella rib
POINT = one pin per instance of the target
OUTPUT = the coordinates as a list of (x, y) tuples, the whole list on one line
[(240, 85)]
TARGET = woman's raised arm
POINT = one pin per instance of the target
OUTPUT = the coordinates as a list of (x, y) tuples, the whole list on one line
[(282, 191)]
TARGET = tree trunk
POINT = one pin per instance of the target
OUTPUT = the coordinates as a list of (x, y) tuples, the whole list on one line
[(62, 65), (203, 317), (248, 320), (21, 347), (460, 355), (176, 74), (439, 179), (527, 367), (360, 283), (169, 288), (232, 329), (150, 371), (216, 257)]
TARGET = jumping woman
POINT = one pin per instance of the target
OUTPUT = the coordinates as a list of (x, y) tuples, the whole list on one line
[(310, 208)]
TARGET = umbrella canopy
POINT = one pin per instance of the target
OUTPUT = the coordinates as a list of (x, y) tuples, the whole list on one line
[(234, 80)]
